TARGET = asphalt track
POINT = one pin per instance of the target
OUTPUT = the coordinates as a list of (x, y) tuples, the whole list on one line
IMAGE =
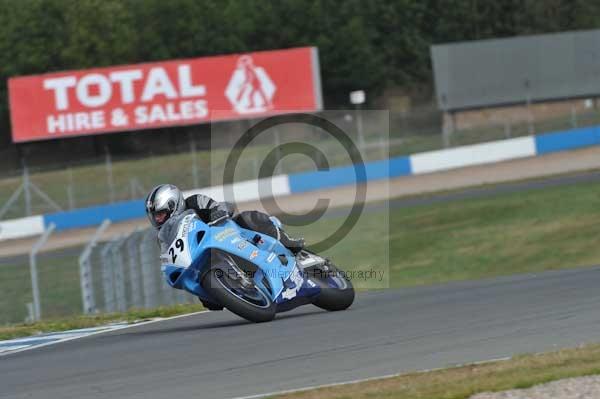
[(217, 355)]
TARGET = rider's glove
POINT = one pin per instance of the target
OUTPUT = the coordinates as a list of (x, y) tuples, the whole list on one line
[(216, 214)]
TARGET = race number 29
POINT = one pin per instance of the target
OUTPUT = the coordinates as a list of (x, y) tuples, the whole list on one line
[(179, 245)]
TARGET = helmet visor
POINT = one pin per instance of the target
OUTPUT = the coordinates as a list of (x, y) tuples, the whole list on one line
[(160, 216)]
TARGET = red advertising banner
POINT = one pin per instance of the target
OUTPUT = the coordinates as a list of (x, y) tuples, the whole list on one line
[(170, 93)]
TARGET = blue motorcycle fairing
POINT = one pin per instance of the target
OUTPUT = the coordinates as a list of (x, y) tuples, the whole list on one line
[(285, 280)]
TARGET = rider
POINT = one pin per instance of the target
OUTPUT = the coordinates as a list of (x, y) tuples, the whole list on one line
[(166, 201)]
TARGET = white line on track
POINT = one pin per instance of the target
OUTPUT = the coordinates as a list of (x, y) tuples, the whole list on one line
[(108, 329), (357, 381), (256, 396)]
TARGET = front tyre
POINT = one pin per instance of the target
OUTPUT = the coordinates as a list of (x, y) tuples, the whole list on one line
[(337, 292), (237, 293)]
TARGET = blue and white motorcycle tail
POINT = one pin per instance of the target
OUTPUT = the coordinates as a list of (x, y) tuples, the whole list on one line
[(251, 274)]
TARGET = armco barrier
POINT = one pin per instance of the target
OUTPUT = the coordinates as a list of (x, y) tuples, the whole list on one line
[(281, 185), (19, 228), (250, 190), (346, 175), (94, 215), (120, 211), (567, 140), (472, 155)]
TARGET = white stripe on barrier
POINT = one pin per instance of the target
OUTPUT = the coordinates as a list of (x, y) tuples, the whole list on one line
[(20, 228), (248, 190), (279, 185), (470, 155)]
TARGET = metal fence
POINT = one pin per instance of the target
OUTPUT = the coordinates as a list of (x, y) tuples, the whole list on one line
[(116, 178), (124, 273), (48, 287), (108, 276), (416, 129)]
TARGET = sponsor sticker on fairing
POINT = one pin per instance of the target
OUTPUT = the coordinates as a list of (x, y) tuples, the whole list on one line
[(297, 279), (228, 232)]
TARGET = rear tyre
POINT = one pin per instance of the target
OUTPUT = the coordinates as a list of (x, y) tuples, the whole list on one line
[(337, 292), (240, 296)]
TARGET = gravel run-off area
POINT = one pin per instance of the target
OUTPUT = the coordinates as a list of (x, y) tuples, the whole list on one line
[(570, 388)]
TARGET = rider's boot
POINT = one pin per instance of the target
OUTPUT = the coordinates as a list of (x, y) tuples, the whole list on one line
[(293, 244)]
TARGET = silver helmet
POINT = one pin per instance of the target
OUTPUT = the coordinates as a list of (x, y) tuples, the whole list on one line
[(163, 202)]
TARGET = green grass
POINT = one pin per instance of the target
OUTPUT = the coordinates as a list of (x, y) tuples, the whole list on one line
[(543, 229), (75, 322), (462, 382), (58, 279), (531, 231)]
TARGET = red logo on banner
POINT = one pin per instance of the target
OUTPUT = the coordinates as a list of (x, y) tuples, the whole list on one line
[(250, 89), (160, 94)]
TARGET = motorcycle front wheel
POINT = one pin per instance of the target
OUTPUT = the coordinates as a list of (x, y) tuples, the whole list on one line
[(239, 294)]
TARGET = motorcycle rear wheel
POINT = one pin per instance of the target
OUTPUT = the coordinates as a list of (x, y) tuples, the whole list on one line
[(337, 292)]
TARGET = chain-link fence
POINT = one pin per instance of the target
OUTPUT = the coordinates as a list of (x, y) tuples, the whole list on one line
[(112, 276), (191, 165), (125, 273), (57, 282)]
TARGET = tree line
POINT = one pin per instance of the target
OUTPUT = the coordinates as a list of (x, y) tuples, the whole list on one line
[(366, 44)]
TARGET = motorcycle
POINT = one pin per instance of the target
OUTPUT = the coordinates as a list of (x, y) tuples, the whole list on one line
[(251, 274)]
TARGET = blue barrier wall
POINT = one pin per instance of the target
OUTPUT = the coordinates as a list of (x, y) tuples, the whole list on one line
[(341, 176), (93, 216), (309, 181), (567, 140)]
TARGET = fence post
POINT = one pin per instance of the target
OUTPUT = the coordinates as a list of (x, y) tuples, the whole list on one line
[(119, 274), (384, 147), (109, 176), (37, 313), (448, 128), (27, 190), (132, 188), (108, 280), (70, 194), (135, 278), (507, 130), (85, 270), (148, 258)]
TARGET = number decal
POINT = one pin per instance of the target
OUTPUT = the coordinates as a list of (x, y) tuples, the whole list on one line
[(179, 245)]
